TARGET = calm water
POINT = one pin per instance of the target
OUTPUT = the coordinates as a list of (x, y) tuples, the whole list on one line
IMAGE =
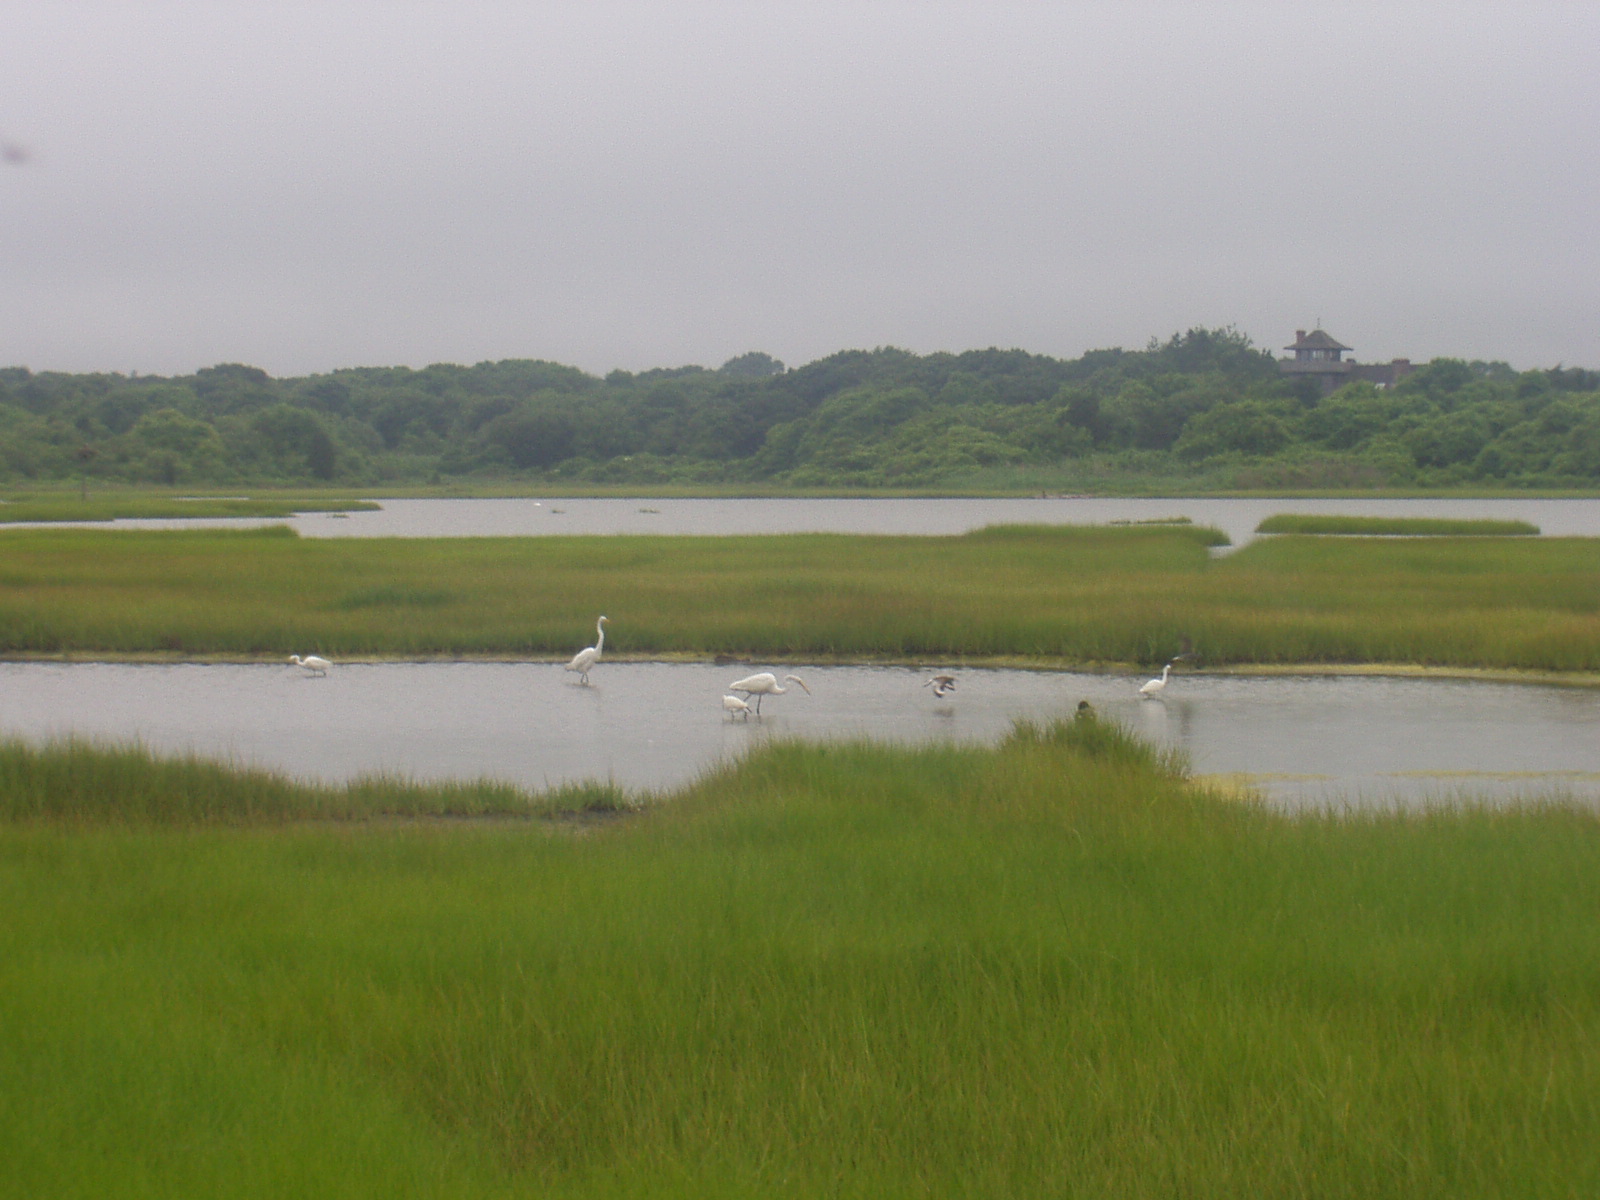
[(537, 518), (654, 725)]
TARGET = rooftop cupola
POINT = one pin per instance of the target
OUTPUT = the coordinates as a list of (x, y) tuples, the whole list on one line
[(1315, 346)]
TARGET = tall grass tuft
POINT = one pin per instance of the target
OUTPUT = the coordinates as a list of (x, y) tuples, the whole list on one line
[(82, 782), (129, 505), (1395, 526)]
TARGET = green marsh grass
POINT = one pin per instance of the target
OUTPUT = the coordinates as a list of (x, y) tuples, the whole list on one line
[(1021, 594), (1049, 968), (1394, 526), (125, 506), (86, 783)]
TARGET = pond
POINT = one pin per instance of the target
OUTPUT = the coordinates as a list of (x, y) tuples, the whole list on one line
[(1237, 518), (1302, 740)]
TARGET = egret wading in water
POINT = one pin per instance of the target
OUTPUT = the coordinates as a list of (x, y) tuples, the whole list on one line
[(311, 664), (942, 685), (1156, 686), (764, 684), (589, 655), (736, 707)]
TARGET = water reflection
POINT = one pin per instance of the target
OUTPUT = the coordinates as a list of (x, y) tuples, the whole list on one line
[(655, 725)]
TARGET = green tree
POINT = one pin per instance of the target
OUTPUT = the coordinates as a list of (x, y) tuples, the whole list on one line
[(754, 364), (295, 442), (1250, 427), (174, 447)]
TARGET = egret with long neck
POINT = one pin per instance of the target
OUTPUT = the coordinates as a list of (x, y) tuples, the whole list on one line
[(589, 655), (1156, 686), (765, 684)]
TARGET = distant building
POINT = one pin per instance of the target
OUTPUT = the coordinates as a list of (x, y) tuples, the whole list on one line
[(1317, 356)]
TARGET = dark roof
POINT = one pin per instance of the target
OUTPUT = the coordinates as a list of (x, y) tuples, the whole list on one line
[(1315, 340)]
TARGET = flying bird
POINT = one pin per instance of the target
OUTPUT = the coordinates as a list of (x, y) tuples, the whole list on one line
[(736, 707), (1156, 686), (942, 685), (311, 664), (589, 655), (765, 684)]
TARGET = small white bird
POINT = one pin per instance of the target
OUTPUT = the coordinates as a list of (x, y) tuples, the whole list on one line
[(942, 685), (589, 655), (736, 707), (1156, 686), (765, 684), (311, 664)]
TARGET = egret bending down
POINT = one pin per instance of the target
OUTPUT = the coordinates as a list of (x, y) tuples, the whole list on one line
[(1156, 686), (311, 664), (736, 707), (942, 685), (765, 684), (589, 655)]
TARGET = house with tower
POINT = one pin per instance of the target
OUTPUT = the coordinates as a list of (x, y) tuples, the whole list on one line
[(1318, 356)]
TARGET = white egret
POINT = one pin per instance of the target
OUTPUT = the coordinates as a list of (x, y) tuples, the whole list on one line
[(589, 655), (942, 685), (765, 684), (1156, 686), (736, 707), (311, 664)]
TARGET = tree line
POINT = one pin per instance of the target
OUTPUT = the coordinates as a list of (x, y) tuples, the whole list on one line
[(1204, 405)]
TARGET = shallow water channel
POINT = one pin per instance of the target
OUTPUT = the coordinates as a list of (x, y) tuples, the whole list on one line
[(1236, 517), (1302, 740)]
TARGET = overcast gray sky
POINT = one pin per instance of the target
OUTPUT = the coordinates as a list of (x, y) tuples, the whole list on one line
[(627, 184)]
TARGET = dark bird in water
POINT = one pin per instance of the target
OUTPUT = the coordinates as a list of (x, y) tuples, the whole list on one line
[(942, 685), (1085, 711)]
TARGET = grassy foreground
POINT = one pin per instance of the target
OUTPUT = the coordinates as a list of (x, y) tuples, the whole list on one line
[(1052, 968), (1061, 595), (1395, 526)]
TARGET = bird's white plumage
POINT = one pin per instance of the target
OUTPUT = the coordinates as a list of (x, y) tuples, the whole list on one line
[(942, 685), (765, 684), (589, 655), (311, 664), (736, 707), (1156, 686)]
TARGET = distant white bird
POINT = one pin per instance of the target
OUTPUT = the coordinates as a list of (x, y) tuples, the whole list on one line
[(736, 707), (942, 685), (1156, 686), (589, 655), (311, 664), (765, 684)]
